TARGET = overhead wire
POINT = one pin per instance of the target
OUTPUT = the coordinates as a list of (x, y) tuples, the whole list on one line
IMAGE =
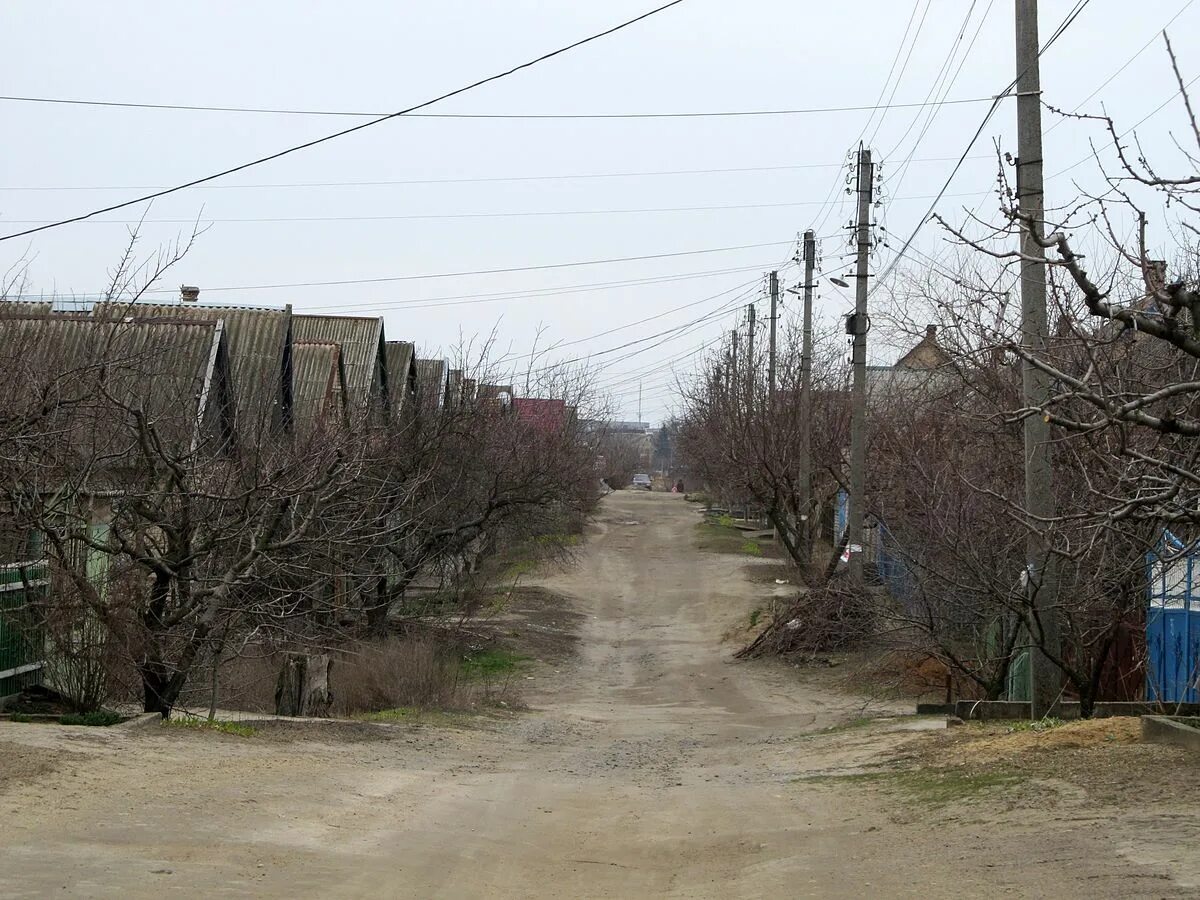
[(904, 68), (1066, 23), (296, 148), (493, 271), (517, 214), (702, 114), (477, 180)]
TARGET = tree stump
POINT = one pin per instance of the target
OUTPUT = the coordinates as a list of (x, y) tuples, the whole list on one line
[(303, 685)]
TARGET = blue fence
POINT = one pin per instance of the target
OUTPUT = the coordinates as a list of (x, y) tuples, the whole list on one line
[(881, 550), (1172, 622)]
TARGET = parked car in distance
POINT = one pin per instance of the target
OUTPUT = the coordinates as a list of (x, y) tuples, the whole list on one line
[(641, 481)]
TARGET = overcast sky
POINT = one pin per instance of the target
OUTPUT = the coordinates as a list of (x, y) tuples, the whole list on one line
[(701, 56)]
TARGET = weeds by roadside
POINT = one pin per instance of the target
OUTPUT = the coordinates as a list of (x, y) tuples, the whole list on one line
[(491, 663), (929, 787), (717, 537), (218, 725)]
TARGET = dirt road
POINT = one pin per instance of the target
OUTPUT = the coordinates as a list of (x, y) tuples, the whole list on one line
[(651, 765)]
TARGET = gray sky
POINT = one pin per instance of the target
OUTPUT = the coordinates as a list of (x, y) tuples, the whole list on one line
[(703, 55)]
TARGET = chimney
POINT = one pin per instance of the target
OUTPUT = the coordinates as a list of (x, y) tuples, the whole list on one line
[(931, 333), (1156, 275), (188, 293)]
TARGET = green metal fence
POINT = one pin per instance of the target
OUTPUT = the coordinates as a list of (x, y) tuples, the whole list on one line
[(22, 648)]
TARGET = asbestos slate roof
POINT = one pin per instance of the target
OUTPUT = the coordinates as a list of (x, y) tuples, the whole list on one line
[(361, 342), (259, 354), (174, 373), (431, 382), (22, 308), (400, 357), (318, 385)]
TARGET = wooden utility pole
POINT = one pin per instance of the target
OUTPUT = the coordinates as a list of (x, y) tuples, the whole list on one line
[(1045, 677), (774, 284), (858, 388), (805, 473)]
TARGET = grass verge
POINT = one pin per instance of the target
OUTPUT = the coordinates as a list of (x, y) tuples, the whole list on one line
[(494, 663), (234, 728), (930, 787), (717, 538)]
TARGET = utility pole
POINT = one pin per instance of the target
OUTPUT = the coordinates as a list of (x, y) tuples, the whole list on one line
[(858, 388), (733, 364), (639, 418), (806, 532), (750, 357), (1044, 675), (774, 281)]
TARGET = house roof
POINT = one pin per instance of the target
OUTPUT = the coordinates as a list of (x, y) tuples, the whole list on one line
[(431, 382), (401, 358), (22, 308), (166, 370), (258, 353), (318, 384), (927, 354), (545, 415), (362, 351), (494, 392), (454, 387)]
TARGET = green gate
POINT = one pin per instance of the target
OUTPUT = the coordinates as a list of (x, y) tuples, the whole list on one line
[(22, 649)]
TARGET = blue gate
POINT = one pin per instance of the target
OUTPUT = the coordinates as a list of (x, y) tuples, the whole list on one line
[(1172, 622)]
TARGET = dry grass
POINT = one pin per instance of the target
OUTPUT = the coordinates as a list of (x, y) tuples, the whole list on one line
[(1012, 743), (417, 672)]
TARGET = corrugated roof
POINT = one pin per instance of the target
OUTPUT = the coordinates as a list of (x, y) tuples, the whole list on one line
[(258, 345), (545, 415), (454, 387), (400, 362), (318, 385), (502, 392), (21, 308), (431, 382), (168, 370), (361, 340)]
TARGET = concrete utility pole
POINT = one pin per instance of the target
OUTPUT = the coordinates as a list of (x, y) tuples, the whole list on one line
[(806, 530), (733, 363), (1045, 678), (639, 418), (858, 389), (774, 282), (750, 356)]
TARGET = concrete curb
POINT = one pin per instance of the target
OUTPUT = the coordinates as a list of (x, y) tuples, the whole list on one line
[(1166, 730)]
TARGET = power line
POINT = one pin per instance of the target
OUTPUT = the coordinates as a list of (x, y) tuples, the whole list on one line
[(481, 180), (531, 294), (1107, 81), (499, 271), (1070, 18), (706, 114), (904, 67), (347, 131), (518, 214)]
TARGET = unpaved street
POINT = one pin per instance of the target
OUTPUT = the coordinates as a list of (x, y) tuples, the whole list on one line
[(650, 765)]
